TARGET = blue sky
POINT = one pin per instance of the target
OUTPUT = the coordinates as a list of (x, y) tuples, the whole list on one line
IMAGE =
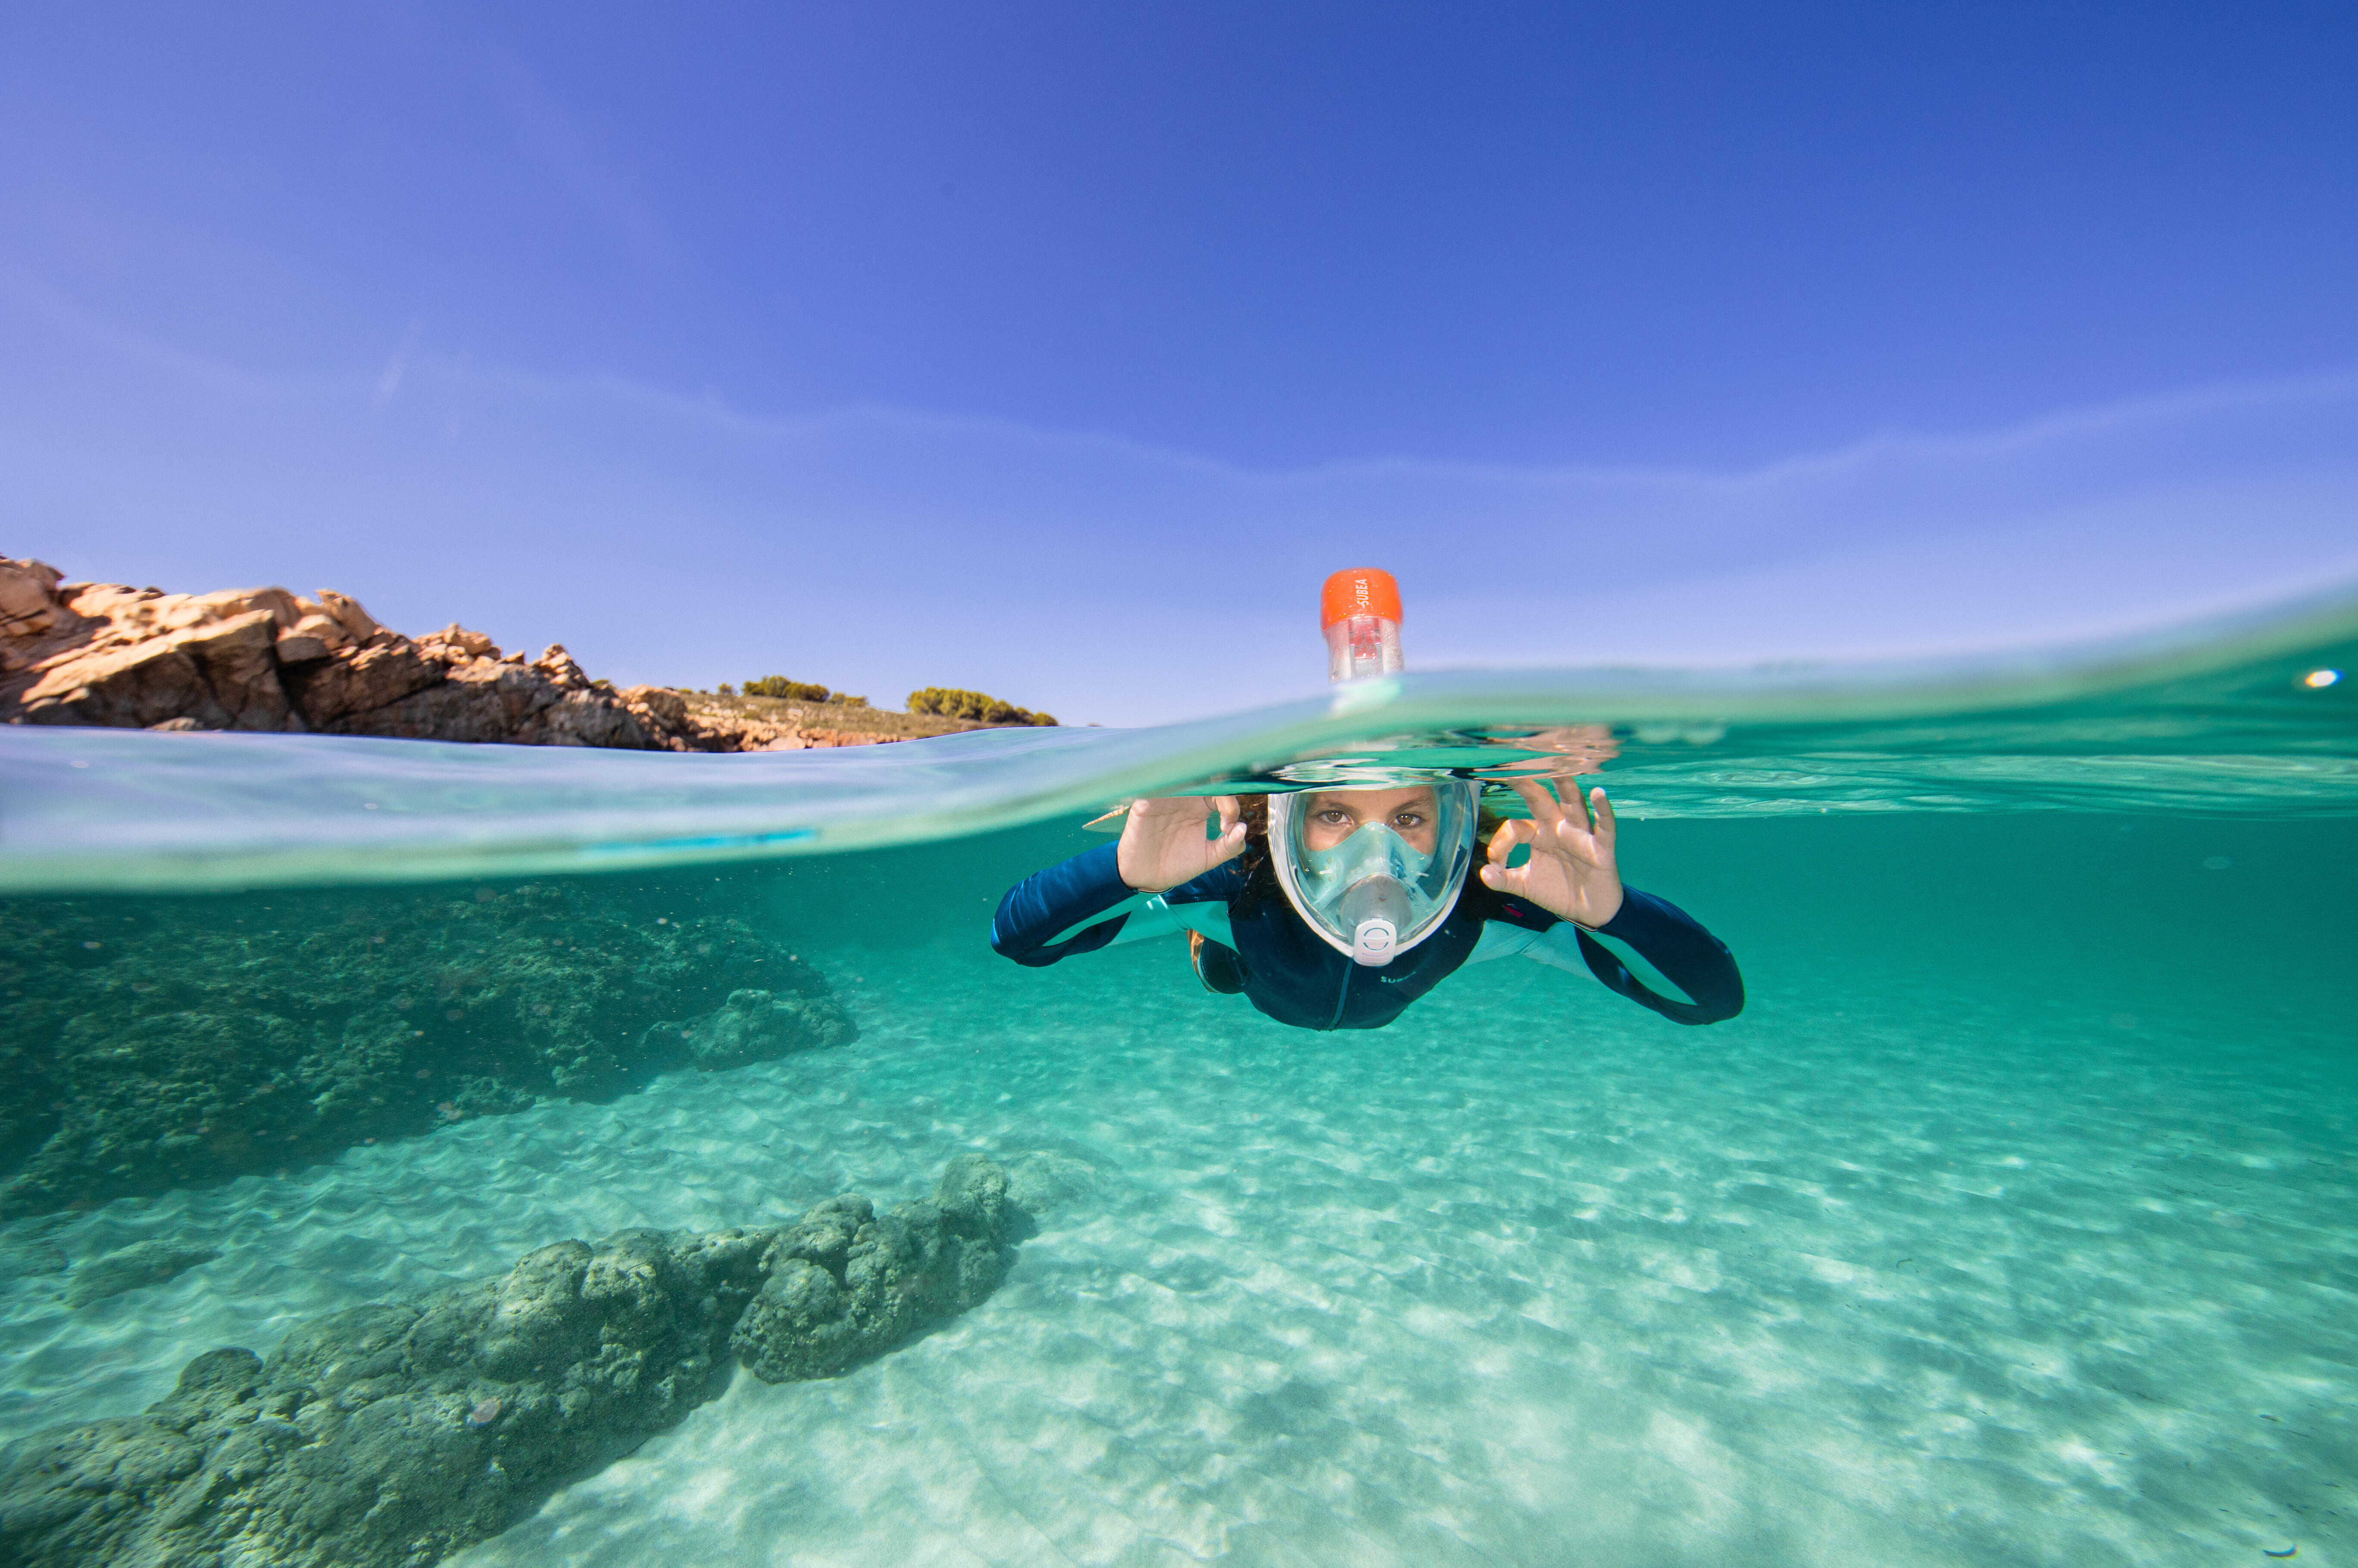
[(1060, 350)]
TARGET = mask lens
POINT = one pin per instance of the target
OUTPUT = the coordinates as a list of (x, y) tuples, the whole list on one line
[(1408, 891)]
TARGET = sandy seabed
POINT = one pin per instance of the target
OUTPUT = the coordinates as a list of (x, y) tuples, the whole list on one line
[(1916, 1275)]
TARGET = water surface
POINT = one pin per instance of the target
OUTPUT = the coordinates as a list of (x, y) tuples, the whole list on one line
[(2014, 1221)]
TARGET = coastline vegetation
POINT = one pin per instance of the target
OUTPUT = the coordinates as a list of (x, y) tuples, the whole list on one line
[(954, 702), (961, 707), (797, 691)]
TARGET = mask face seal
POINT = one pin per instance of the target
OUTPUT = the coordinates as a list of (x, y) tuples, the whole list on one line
[(1374, 895)]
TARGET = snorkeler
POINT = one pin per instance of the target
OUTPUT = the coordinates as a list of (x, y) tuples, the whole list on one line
[(1335, 908)]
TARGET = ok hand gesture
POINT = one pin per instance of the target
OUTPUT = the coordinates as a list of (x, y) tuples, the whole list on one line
[(1163, 841), (1571, 874)]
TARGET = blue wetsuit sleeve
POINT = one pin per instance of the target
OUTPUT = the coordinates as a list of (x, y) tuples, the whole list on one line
[(1058, 898), (1673, 941)]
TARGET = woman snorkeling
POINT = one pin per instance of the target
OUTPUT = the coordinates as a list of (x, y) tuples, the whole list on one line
[(1335, 908)]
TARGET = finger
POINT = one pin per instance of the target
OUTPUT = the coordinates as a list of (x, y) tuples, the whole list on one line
[(1233, 829), (1601, 809), (1574, 806), (1498, 878), (1573, 841), (1511, 832), (1543, 805), (1572, 829)]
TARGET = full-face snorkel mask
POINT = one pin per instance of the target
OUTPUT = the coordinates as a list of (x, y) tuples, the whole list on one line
[(1373, 895)]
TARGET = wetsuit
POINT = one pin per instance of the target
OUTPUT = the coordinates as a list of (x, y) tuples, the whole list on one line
[(1293, 977)]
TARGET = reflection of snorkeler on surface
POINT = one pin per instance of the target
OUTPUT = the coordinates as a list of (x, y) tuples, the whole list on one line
[(1335, 909)]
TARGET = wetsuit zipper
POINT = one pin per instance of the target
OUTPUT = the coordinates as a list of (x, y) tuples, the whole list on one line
[(1342, 997)]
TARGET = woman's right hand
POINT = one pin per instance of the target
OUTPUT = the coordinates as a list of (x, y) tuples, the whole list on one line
[(1163, 841)]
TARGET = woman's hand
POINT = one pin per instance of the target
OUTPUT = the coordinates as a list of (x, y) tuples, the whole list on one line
[(1163, 841), (1571, 874)]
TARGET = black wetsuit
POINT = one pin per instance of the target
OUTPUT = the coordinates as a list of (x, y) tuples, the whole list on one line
[(1293, 975)]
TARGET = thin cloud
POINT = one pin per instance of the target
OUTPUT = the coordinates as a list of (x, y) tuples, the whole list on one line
[(563, 144), (2081, 519), (388, 381), (2055, 429), (56, 308)]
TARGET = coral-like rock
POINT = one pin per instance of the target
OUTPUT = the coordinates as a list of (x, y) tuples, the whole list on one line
[(396, 1434), (357, 1444), (847, 1284), (169, 1042), (750, 1026)]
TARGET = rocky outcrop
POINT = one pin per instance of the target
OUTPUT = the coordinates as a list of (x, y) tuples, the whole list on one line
[(847, 1284), (264, 659), (166, 1042), (390, 1436)]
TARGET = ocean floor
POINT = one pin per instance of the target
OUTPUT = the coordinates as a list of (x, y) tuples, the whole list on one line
[(1910, 1274)]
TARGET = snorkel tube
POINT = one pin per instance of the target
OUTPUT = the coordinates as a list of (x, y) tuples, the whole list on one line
[(1360, 613), (1372, 896)]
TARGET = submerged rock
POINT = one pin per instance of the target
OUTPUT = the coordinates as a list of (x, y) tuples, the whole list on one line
[(750, 1026), (159, 1043), (847, 1284), (396, 1434)]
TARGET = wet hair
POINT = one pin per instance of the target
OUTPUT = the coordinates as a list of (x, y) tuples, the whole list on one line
[(1260, 874)]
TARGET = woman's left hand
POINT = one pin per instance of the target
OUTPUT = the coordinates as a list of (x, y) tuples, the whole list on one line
[(1571, 874)]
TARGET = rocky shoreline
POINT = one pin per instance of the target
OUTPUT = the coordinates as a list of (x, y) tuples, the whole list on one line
[(391, 1435), (264, 659)]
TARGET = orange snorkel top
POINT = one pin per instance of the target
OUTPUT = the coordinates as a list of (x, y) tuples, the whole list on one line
[(1359, 590), (1360, 613)]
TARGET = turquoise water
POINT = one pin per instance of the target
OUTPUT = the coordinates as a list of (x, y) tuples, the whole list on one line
[(2014, 1221)]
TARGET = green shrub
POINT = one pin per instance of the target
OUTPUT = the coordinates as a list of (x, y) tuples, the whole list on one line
[(792, 690), (951, 702)]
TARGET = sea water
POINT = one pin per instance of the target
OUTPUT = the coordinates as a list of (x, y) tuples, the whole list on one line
[(2014, 1221)]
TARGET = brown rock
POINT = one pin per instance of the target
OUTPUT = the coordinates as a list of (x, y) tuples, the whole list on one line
[(358, 623), (29, 600), (333, 691), (487, 699), (103, 653), (315, 636), (665, 707), (221, 674), (558, 665), (456, 642)]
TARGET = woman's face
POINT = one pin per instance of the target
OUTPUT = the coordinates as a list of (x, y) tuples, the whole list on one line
[(1332, 815)]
